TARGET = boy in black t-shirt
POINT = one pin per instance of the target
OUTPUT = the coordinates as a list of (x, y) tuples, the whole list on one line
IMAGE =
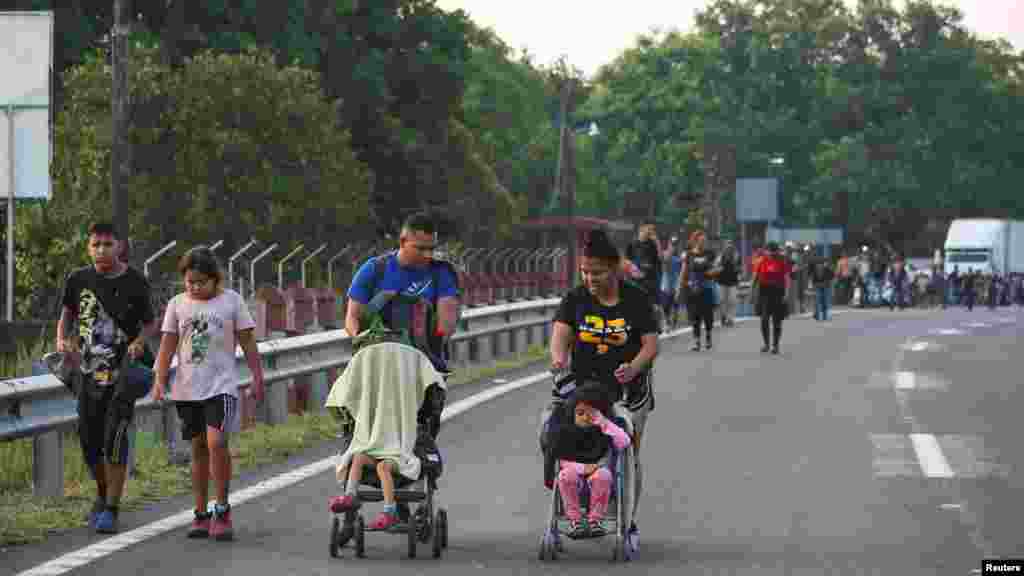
[(110, 303), (610, 327)]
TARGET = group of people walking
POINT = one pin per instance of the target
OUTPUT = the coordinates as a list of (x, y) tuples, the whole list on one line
[(106, 317), (972, 287), (704, 284), (608, 326)]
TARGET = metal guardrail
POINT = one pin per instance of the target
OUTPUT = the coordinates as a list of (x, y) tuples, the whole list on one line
[(42, 408)]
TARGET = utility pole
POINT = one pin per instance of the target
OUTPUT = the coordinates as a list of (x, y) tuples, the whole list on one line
[(120, 153), (565, 190), (719, 172), (710, 169)]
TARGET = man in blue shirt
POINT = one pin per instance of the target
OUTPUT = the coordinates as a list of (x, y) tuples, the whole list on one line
[(410, 270)]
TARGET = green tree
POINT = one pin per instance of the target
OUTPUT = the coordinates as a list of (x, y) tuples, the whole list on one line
[(226, 147)]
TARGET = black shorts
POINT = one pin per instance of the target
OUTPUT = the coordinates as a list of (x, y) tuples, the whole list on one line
[(219, 412), (771, 301), (105, 426)]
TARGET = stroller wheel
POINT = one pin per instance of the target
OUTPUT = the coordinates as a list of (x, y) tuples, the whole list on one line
[(423, 525), (548, 547), (441, 529), (437, 545), (360, 536), (335, 529), (412, 535), (631, 545)]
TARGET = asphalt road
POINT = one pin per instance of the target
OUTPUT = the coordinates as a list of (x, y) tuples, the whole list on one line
[(877, 443)]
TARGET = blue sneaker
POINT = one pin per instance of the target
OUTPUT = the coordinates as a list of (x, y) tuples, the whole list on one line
[(97, 507), (633, 539), (106, 522)]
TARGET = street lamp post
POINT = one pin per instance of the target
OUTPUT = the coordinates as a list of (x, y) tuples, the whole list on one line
[(252, 267), (159, 253), (280, 266), (231, 262), (307, 259), (330, 265)]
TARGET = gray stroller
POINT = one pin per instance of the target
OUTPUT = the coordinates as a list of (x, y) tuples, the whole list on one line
[(621, 465)]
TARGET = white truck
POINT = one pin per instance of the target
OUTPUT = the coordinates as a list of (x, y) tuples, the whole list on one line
[(987, 245)]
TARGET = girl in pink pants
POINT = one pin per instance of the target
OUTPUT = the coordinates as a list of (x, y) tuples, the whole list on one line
[(597, 475)]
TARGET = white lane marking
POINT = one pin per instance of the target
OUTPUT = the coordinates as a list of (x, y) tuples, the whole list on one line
[(913, 345), (910, 381), (970, 457), (461, 406), (978, 325), (947, 332), (930, 457), (891, 456), (904, 380), (108, 546)]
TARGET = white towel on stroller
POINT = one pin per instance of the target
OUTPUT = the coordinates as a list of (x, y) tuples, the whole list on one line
[(382, 387)]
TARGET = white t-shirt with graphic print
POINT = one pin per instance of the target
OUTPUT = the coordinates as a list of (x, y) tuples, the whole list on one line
[(207, 340)]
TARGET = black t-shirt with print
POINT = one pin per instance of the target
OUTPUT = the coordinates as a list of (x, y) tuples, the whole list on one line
[(97, 300), (606, 336), (698, 267)]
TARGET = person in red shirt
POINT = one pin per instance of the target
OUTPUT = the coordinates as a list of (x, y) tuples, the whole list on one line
[(772, 276)]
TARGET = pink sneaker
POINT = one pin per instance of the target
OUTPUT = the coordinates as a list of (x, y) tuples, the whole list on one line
[(221, 528), (383, 521), (200, 527), (342, 504)]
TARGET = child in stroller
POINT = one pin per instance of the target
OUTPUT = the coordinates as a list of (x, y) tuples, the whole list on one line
[(587, 451), (389, 399), (588, 418)]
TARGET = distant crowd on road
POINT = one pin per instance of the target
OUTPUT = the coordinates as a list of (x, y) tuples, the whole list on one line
[(874, 279)]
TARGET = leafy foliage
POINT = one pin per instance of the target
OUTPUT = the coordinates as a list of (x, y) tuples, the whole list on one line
[(889, 122), (225, 147)]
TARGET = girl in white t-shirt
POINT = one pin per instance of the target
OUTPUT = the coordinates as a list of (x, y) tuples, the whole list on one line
[(203, 326)]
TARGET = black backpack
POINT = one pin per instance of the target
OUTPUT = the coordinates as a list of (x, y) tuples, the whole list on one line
[(434, 344)]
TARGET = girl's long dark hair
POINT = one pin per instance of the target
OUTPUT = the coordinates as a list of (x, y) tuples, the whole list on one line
[(201, 259)]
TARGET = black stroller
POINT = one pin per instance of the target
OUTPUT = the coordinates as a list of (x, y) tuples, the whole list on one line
[(428, 523)]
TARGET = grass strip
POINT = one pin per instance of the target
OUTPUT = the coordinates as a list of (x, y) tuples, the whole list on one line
[(25, 519)]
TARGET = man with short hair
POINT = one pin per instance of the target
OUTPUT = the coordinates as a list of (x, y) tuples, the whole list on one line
[(409, 271), (822, 275), (110, 302)]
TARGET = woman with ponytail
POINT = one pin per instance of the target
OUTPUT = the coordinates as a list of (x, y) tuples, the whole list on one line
[(610, 329)]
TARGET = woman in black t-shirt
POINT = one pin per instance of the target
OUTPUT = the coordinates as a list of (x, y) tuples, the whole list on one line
[(608, 323), (609, 326), (696, 282)]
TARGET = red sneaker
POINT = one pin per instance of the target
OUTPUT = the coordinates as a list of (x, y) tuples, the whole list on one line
[(221, 528), (342, 504)]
